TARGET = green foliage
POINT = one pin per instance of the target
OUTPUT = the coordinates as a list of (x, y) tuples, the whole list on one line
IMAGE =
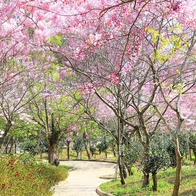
[(167, 47), (93, 130), (30, 145), (56, 40), (192, 142), (171, 149), (78, 144), (103, 146), (132, 153), (13, 63), (34, 145), (158, 157), (24, 178), (62, 110)]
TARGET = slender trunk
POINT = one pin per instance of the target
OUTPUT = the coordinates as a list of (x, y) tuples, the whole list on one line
[(129, 169), (146, 171), (190, 154), (145, 141), (6, 147), (121, 151), (12, 144), (120, 163), (87, 151), (114, 150), (121, 171), (15, 146), (68, 150), (154, 179), (52, 153), (124, 172), (86, 145), (178, 170)]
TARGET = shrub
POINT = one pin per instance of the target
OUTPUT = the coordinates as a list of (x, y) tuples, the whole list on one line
[(28, 178)]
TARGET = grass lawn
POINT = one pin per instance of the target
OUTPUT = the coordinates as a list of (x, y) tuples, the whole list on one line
[(165, 184)]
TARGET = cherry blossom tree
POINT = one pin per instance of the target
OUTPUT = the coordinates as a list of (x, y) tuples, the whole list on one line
[(98, 59), (13, 98), (54, 111)]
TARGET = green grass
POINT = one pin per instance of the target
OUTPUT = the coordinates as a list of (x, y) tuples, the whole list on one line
[(19, 177), (165, 184)]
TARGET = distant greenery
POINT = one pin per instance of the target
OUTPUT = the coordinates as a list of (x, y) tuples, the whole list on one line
[(165, 184), (78, 145), (24, 176)]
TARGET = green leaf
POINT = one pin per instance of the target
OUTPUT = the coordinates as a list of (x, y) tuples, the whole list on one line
[(56, 40), (56, 76)]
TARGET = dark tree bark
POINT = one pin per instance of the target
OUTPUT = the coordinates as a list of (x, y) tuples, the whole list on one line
[(178, 169), (146, 180), (86, 145), (155, 182), (122, 174), (52, 153), (12, 145), (68, 150), (7, 128), (129, 169), (52, 142)]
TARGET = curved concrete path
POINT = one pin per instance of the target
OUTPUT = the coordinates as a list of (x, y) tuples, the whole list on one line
[(84, 179)]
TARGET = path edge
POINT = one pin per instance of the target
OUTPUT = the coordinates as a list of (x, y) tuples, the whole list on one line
[(102, 193)]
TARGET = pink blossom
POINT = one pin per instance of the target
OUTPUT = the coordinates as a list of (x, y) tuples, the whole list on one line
[(69, 139)]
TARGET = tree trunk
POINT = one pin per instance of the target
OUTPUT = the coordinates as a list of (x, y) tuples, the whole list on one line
[(114, 150), (12, 144), (154, 178), (129, 169), (6, 147), (52, 153), (178, 170), (146, 180), (86, 145), (122, 174), (146, 171), (190, 154), (120, 148), (68, 150), (7, 128), (121, 166)]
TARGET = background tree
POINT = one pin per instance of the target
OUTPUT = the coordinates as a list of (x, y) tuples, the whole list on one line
[(78, 146)]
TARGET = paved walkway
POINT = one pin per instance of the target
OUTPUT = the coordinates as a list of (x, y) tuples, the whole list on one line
[(84, 180)]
